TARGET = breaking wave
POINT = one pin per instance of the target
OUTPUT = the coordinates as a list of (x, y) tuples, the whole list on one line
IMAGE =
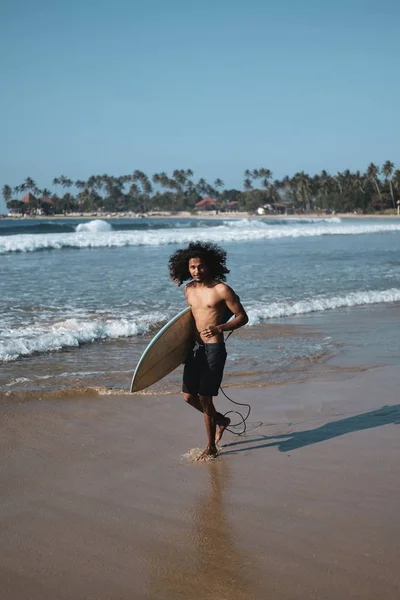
[(94, 235), (72, 332), (260, 313), (96, 226)]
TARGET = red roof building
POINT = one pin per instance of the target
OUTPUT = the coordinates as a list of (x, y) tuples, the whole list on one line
[(28, 198), (206, 204), (31, 198), (234, 205)]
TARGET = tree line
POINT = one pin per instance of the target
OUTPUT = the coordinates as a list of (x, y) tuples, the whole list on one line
[(377, 189)]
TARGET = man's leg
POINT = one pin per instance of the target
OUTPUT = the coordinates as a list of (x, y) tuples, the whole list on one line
[(209, 419), (221, 421), (193, 400)]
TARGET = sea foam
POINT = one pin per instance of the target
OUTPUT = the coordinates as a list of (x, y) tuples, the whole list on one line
[(242, 231), (70, 333), (96, 226), (259, 313)]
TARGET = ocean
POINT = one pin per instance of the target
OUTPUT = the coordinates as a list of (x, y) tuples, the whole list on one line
[(80, 299)]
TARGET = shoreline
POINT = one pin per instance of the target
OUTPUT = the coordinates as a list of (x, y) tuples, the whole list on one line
[(304, 505), (202, 215), (112, 360)]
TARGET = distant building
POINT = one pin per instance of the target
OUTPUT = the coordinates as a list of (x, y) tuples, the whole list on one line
[(232, 206), (206, 204), (28, 198), (31, 198), (38, 206)]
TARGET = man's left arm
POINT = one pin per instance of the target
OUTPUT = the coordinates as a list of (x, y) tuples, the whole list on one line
[(235, 306)]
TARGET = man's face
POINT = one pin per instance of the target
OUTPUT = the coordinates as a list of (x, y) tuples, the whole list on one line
[(198, 269)]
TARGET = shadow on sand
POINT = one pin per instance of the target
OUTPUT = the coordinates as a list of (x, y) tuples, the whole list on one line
[(298, 439)]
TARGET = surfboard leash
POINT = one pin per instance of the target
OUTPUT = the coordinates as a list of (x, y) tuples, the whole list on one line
[(243, 419)]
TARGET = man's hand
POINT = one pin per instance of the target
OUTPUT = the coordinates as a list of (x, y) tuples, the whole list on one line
[(211, 331)]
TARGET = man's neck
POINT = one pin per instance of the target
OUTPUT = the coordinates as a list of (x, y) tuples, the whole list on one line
[(203, 284)]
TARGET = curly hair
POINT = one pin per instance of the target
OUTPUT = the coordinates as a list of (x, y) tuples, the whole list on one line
[(214, 257)]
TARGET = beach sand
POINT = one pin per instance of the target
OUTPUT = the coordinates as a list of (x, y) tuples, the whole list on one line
[(98, 503), (211, 214)]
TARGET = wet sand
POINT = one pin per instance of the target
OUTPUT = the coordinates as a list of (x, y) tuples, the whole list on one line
[(96, 501)]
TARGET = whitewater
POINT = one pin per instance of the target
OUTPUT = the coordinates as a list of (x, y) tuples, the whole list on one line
[(73, 332), (100, 234)]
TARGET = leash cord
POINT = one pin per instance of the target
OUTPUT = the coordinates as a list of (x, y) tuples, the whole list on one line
[(243, 419)]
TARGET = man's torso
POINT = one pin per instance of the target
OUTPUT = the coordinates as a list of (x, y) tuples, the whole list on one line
[(207, 307)]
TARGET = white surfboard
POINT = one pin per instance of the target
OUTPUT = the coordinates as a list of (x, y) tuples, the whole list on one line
[(166, 351)]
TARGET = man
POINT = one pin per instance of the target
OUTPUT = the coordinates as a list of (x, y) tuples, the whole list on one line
[(209, 299)]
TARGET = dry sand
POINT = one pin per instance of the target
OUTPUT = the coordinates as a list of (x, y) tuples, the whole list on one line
[(97, 503)]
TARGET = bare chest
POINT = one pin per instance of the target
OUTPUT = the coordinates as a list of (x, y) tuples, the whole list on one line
[(204, 300)]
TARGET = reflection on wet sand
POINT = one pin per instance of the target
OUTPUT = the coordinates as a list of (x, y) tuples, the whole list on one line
[(205, 562)]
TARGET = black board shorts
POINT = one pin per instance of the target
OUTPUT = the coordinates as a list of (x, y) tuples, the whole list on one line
[(204, 369)]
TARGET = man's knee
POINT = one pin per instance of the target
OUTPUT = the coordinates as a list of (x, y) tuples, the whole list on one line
[(189, 397)]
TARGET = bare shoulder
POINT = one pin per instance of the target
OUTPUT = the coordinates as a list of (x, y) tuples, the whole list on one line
[(225, 291), (188, 287)]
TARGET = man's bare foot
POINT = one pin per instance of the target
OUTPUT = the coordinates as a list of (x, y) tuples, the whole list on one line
[(209, 452), (221, 429)]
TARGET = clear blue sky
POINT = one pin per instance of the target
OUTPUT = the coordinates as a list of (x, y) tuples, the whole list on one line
[(95, 86)]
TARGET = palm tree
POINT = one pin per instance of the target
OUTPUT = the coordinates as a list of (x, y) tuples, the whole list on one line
[(303, 187), (68, 201), (202, 187), (339, 180), (66, 182), (265, 175), (7, 193), (387, 171), (80, 184), (247, 184), (139, 176), (64, 204), (347, 179), (93, 183), (372, 174), (29, 185), (45, 193), (396, 180), (146, 185), (359, 181), (134, 190), (218, 183), (161, 179), (179, 176), (63, 181), (248, 176), (324, 183)]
